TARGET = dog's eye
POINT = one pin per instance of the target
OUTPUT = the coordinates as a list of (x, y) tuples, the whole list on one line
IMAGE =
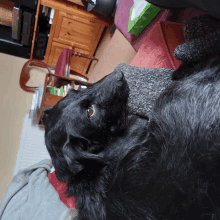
[(91, 111)]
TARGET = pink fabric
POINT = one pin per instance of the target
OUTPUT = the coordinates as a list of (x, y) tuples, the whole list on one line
[(157, 50), (61, 188)]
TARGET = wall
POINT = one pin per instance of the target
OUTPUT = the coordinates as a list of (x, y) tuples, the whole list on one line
[(15, 104)]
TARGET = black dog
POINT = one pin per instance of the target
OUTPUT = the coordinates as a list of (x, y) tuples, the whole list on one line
[(124, 167)]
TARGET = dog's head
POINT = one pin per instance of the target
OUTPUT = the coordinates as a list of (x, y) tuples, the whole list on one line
[(75, 129)]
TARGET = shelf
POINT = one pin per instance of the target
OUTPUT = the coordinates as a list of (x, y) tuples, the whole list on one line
[(5, 33), (9, 46)]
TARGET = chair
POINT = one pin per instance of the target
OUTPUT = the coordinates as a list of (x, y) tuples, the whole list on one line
[(62, 69), (61, 77)]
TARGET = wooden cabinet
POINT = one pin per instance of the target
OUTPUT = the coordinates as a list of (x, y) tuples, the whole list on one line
[(73, 27), (77, 30)]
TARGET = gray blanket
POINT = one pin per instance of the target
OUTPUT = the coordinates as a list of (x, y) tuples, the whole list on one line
[(145, 86), (30, 196)]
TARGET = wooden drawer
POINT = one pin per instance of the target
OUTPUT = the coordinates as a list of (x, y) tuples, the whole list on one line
[(79, 32), (78, 64)]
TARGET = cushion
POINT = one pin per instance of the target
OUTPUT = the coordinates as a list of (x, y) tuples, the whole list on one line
[(157, 51), (145, 85)]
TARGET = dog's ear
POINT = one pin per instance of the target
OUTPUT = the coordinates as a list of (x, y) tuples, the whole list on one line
[(78, 159), (46, 114)]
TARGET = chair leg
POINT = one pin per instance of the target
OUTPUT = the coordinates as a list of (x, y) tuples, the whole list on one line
[(84, 56), (72, 84)]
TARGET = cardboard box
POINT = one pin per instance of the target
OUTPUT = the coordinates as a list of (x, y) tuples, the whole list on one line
[(147, 15)]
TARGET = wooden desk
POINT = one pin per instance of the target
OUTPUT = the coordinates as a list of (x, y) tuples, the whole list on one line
[(73, 26)]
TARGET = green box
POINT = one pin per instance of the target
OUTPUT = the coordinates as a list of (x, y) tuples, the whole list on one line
[(137, 25)]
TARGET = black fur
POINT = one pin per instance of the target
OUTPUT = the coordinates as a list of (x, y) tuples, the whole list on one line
[(123, 167), (188, 68)]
